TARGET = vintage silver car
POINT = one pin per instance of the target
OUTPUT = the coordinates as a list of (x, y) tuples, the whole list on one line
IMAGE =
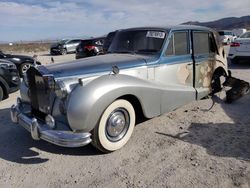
[(148, 71)]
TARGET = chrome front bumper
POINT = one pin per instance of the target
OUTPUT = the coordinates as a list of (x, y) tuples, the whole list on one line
[(42, 131)]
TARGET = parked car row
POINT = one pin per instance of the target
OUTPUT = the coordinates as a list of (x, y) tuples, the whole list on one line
[(83, 47), (64, 46), (23, 63), (9, 78), (90, 47), (144, 72), (12, 67)]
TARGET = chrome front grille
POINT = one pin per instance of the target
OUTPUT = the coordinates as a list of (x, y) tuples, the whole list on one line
[(41, 91)]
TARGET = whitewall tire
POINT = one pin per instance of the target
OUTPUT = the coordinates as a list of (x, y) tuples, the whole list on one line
[(115, 127)]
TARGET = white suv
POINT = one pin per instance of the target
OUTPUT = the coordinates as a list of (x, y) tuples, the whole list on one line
[(226, 37), (240, 48)]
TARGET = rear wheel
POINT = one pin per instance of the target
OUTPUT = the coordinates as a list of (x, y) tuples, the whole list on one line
[(64, 51), (1, 93), (115, 126)]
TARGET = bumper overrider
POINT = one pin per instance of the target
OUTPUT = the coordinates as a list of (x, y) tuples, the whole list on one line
[(40, 130)]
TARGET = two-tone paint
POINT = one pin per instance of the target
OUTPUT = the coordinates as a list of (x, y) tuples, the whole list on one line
[(156, 84)]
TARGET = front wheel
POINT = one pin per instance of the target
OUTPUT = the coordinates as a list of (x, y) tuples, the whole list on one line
[(64, 51), (23, 68), (115, 126)]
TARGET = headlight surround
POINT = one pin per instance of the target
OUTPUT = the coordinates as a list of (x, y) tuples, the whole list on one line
[(60, 89), (10, 66)]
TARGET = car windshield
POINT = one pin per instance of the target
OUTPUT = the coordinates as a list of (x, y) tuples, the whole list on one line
[(225, 33), (63, 41), (138, 41)]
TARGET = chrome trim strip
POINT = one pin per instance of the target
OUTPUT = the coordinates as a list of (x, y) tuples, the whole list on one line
[(41, 131)]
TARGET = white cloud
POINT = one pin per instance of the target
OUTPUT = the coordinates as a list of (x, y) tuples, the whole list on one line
[(97, 16)]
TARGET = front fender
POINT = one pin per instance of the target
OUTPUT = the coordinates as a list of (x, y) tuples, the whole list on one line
[(87, 103)]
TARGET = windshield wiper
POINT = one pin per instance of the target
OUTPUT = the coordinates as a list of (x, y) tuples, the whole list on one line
[(147, 51), (124, 52)]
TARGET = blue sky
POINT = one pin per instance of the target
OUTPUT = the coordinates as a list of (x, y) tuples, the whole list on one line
[(48, 19)]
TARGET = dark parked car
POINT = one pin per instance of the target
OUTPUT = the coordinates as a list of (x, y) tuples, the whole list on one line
[(64, 46), (9, 78), (90, 47), (22, 62), (108, 40)]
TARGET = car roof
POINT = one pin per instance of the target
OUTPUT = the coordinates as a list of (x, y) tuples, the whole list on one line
[(171, 27), (94, 38)]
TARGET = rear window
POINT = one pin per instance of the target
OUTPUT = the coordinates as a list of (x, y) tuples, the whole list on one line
[(225, 33), (96, 42), (201, 43), (245, 35), (86, 42), (108, 40)]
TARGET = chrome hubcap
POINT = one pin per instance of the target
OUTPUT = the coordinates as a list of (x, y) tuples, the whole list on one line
[(117, 124)]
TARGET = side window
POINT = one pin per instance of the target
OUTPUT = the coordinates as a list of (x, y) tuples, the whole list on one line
[(212, 44), (99, 42), (201, 43), (72, 41), (178, 44), (170, 49)]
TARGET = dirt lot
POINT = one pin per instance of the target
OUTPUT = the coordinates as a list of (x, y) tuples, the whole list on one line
[(194, 146)]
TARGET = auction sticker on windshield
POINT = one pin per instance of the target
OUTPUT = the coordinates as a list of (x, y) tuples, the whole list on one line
[(156, 34)]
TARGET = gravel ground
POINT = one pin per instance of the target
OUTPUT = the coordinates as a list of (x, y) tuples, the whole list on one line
[(194, 146)]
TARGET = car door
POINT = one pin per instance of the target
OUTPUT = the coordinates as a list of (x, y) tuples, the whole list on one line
[(70, 46), (75, 44), (203, 52), (244, 43), (175, 72)]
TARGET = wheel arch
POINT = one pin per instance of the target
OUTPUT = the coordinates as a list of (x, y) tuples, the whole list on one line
[(5, 88), (220, 71), (136, 105), (87, 103), (216, 85)]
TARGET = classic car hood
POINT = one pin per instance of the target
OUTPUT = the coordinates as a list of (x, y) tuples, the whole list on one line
[(98, 64)]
